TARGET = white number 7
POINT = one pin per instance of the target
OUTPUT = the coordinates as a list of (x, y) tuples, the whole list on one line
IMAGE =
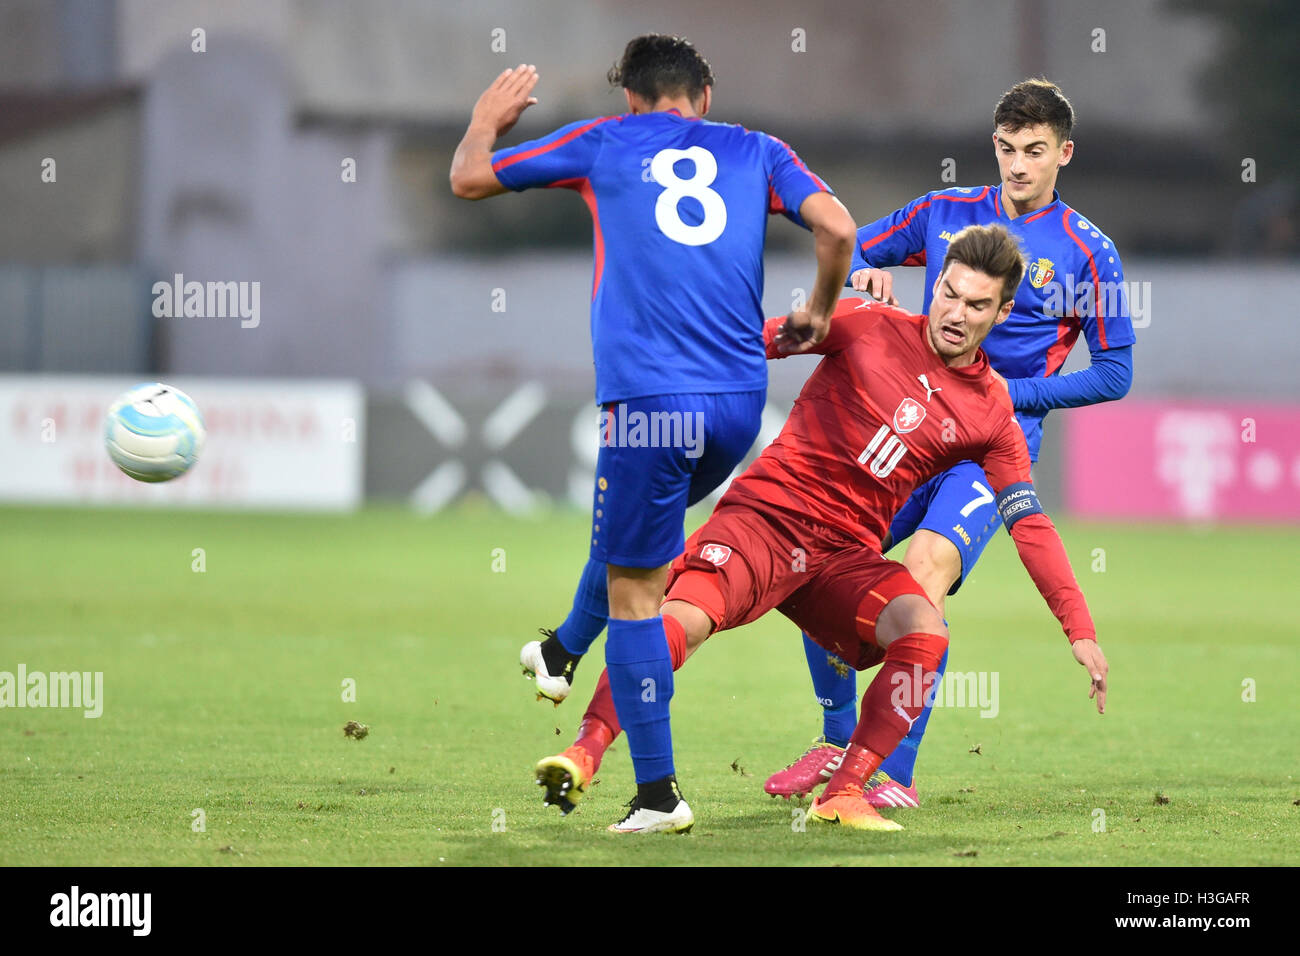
[(985, 497)]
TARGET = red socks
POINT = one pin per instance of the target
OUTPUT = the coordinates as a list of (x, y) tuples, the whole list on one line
[(600, 722), (858, 764), (892, 701), (676, 640)]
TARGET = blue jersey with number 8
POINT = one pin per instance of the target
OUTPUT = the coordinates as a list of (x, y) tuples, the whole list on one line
[(679, 209)]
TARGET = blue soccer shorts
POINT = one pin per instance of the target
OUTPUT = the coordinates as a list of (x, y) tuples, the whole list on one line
[(957, 504), (659, 455)]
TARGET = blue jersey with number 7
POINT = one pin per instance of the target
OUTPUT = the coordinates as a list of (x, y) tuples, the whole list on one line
[(679, 208)]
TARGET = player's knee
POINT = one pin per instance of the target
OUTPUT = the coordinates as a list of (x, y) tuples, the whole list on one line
[(922, 648), (910, 614), (695, 622)]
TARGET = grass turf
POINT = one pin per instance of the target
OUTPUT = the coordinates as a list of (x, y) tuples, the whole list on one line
[(223, 693)]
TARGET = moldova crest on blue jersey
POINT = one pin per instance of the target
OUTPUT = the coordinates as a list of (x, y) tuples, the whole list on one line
[(1041, 272)]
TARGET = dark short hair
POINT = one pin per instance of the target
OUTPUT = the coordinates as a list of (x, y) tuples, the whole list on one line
[(1035, 102), (991, 250), (657, 65)]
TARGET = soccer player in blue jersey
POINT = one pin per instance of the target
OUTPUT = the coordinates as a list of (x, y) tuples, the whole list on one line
[(1074, 285), (679, 207)]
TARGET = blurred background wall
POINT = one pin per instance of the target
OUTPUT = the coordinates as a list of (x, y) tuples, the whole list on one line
[(304, 145)]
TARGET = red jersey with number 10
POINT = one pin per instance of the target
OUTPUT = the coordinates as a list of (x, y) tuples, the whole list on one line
[(879, 416)]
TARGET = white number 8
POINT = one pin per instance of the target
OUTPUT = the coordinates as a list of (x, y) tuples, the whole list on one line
[(697, 187)]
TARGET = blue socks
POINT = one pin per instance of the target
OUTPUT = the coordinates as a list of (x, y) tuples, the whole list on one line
[(641, 683), (901, 764), (590, 610), (838, 694)]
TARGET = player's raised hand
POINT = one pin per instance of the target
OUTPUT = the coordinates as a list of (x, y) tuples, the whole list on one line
[(801, 331), (502, 103), (1087, 653), (877, 283)]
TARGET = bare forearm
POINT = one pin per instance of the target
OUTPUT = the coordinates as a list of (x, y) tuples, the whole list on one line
[(471, 167), (834, 253), (833, 235), (496, 111)]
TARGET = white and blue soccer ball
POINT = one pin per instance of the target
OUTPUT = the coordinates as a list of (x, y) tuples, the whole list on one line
[(154, 432)]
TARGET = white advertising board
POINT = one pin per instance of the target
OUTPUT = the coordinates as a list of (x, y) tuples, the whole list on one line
[(271, 443)]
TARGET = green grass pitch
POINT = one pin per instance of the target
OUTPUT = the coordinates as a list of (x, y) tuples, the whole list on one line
[(223, 693)]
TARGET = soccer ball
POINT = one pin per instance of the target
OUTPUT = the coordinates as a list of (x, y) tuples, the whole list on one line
[(154, 432)]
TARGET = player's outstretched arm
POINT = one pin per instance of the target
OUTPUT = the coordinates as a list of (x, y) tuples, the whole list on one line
[(1005, 461), (1043, 555), (833, 236), (495, 114), (1088, 654)]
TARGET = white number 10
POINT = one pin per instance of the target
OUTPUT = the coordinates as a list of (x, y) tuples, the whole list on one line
[(697, 187), (888, 453)]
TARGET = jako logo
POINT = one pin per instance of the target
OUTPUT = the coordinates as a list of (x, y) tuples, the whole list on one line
[(102, 909), (208, 300)]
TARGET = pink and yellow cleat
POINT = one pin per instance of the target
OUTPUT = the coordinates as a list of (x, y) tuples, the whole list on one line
[(850, 808)]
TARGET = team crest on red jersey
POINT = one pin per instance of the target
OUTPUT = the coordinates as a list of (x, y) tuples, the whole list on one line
[(908, 415), (715, 554)]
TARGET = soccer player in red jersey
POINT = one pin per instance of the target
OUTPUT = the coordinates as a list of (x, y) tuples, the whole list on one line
[(897, 398), (1073, 289)]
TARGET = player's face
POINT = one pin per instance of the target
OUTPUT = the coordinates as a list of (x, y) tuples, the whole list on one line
[(1029, 160), (964, 310)]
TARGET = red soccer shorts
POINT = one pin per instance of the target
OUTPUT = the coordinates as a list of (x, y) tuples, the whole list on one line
[(744, 562)]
